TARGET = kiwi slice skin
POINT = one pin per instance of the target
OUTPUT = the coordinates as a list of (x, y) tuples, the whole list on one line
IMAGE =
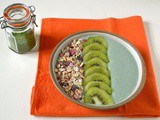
[(101, 85), (94, 46), (95, 53), (97, 39), (95, 62), (97, 69), (102, 94), (97, 77)]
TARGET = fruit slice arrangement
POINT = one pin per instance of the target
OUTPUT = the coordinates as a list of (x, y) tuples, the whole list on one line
[(97, 83)]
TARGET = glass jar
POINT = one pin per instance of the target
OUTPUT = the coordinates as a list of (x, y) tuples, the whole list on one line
[(18, 21)]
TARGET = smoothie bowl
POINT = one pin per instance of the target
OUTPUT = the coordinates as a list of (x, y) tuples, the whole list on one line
[(97, 69)]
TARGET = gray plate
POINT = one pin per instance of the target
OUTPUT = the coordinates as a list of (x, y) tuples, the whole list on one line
[(127, 67)]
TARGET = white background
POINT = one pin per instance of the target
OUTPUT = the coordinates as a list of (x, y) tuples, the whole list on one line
[(17, 72)]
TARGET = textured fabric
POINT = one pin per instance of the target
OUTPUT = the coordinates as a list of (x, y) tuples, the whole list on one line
[(46, 100)]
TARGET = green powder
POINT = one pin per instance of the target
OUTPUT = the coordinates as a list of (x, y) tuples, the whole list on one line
[(22, 41)]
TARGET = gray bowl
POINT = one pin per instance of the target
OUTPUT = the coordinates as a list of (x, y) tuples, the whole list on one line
[(127, 67)]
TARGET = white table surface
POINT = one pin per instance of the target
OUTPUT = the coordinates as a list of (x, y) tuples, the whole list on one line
[(17, 72)]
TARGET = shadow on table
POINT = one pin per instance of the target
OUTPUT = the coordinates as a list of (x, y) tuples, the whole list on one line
[(36, 48)]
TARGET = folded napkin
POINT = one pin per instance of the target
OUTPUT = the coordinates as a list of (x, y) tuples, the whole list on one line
[(46, 100)]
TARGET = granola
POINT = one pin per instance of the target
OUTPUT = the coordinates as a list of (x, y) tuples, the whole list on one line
[(69, 69)]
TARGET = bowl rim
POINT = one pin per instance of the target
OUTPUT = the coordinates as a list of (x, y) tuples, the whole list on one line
[(60, 89)]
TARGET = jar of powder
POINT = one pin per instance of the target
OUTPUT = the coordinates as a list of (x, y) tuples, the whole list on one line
[(18, 20)]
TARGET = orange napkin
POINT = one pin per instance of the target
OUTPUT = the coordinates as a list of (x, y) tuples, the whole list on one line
[(46, 100)]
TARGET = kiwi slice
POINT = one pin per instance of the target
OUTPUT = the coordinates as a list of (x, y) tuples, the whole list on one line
[(101, 85), (97, 69), (96, 100), (103, 96), (97, 39), (88, 42), (95, 53), (94, 46), (97, 77), (95, 62)]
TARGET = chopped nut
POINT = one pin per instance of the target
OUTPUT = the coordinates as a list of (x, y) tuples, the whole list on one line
[(81, 64), (80, 80), (61, 69), (78, 83), (59, 73), (72, 93), (76, 74), (78, 42), (78, 92), (69, 69), (58, 65), (67, 88), (68, 59), (75, 68), (56, 70), (81, 70)]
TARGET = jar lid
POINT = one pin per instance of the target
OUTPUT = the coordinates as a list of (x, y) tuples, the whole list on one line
[(17, 15)]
